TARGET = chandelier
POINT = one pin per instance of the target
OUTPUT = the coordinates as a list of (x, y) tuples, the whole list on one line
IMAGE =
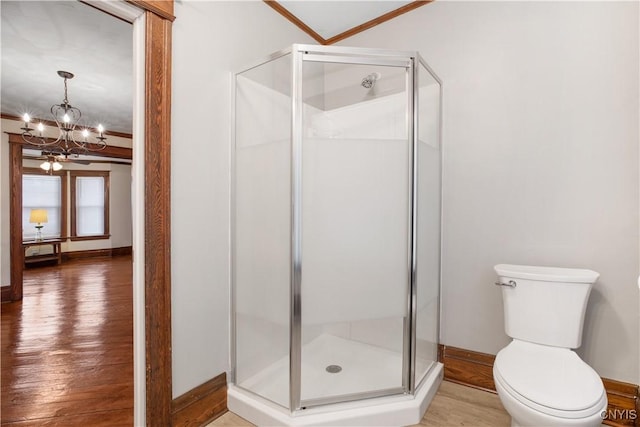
[(70, 141)]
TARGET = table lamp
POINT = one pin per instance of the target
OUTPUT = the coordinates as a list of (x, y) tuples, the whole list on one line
[(38, 216)]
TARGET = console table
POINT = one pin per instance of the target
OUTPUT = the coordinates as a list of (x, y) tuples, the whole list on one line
[(54, 243)]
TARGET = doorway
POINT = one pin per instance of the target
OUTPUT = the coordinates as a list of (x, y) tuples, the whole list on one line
[(151, 203)]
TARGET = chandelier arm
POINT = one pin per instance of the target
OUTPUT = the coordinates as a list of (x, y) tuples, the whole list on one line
[(87, 145), (39, 141), (101, 142), (90, 146)]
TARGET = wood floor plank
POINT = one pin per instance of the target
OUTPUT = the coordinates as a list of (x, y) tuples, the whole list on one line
[(229, 419), (64, 357), (67, 347), (112, 418), (74, 393), (458, 405)]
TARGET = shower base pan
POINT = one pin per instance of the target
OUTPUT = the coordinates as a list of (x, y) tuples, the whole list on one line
[(272, 384)]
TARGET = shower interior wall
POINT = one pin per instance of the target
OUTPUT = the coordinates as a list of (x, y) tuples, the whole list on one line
[(350, 153)]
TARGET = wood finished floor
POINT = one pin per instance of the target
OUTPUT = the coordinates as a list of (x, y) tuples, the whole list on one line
[(67, 347), (453, 405)]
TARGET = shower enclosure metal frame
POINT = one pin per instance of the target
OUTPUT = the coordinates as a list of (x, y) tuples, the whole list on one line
[(300, 53)]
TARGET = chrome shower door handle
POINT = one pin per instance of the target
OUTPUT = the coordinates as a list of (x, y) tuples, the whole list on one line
[(511, 284)]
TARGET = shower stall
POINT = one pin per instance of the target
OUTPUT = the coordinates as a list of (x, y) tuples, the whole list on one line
[(336, 200)]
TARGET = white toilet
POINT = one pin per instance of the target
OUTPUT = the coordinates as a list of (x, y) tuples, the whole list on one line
[(539, 379)]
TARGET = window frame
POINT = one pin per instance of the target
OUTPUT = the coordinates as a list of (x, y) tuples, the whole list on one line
[(63, 196), (73, 174)]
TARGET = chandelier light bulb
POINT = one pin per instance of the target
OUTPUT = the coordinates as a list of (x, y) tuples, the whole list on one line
[(85, 134), (100, 129), (66, 118), (40, 127), (26, 118)]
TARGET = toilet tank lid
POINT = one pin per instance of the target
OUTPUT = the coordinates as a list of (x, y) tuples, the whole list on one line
[(547, 274)]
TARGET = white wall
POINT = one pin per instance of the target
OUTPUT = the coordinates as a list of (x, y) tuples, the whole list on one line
[(541, 158), (120, 215), (210, 40), (541, 161)]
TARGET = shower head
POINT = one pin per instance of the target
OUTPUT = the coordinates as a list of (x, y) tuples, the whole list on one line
[(369, 81)]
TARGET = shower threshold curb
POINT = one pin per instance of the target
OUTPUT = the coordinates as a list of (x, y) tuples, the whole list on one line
[(384, 411)]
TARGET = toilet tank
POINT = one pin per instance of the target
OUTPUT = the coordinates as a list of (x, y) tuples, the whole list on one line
[(547, 304)]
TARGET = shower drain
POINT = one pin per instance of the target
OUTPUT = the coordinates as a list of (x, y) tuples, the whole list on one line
[(333, 369)]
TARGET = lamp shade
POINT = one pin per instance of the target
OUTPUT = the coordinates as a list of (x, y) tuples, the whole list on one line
[(38, 216)]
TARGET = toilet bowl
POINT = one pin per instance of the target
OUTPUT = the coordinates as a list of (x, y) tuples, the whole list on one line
[(548, 386), (540, 380)]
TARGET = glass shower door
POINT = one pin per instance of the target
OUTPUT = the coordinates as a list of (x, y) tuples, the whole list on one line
[(262, 229), (355, 229), (428, 200)]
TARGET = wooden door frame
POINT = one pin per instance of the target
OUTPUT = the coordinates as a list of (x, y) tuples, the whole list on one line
[(157, 211), (16, 252)]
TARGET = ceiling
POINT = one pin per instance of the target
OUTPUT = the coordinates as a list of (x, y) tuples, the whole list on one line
[(41, 37), (330, 18)]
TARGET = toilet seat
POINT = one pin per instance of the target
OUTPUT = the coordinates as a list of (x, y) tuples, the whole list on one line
[(551, 380)]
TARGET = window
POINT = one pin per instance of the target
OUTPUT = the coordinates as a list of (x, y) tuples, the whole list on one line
[(89, 205), (41, 190)]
